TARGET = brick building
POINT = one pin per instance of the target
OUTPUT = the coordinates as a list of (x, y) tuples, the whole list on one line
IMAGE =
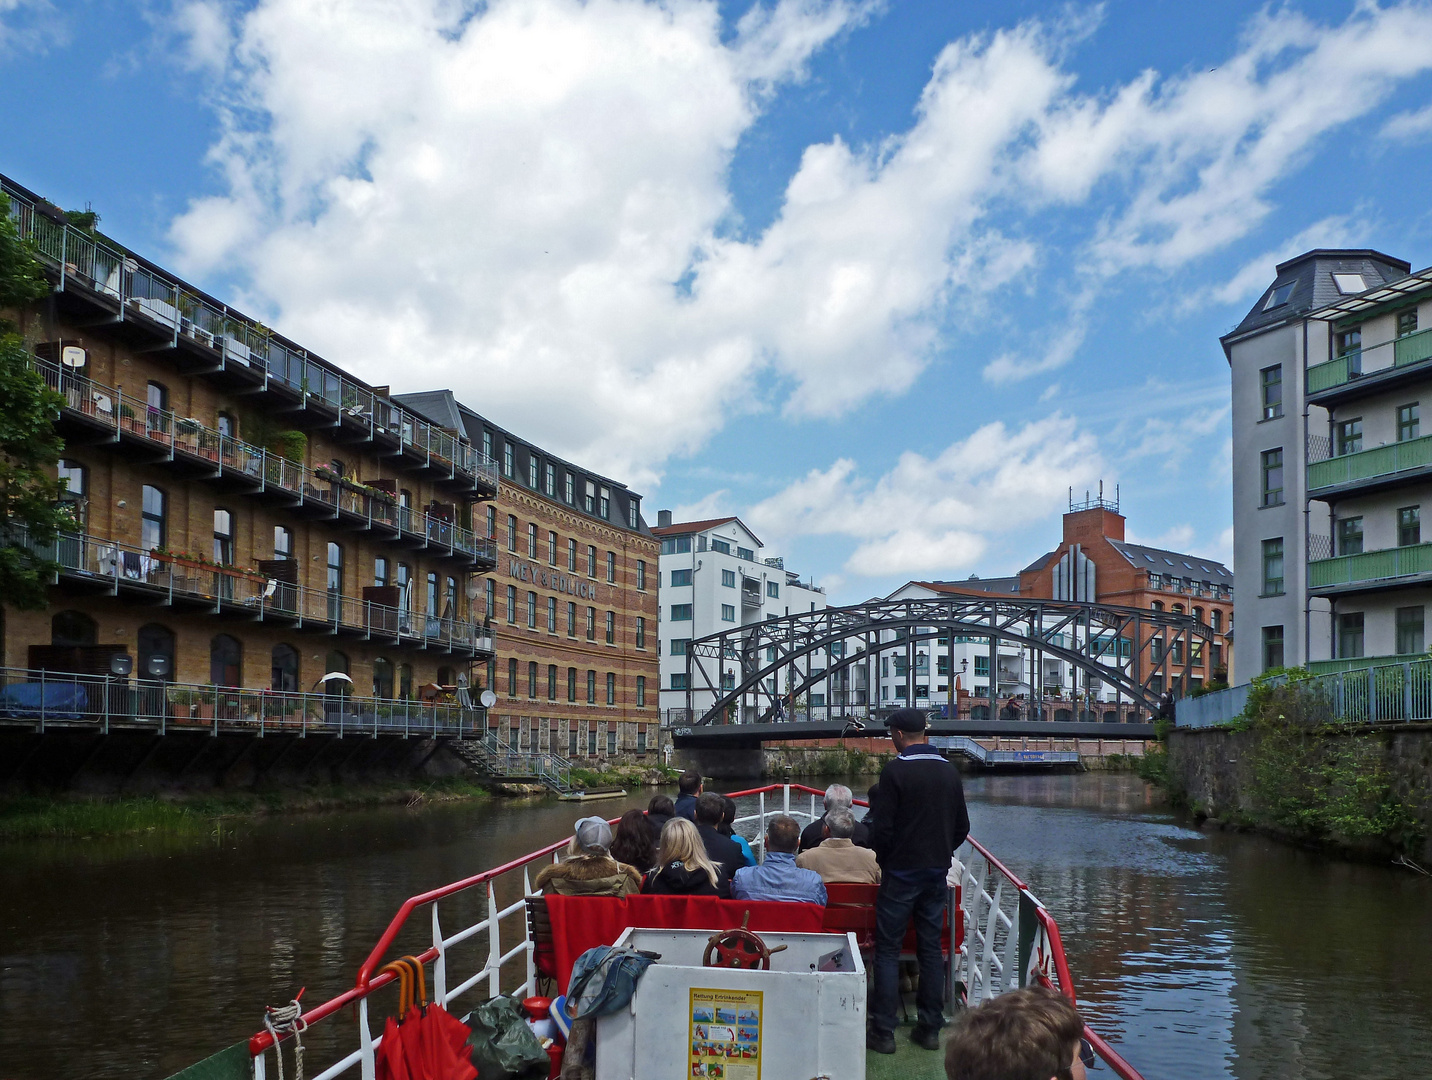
[(572, 601), (249, 515)]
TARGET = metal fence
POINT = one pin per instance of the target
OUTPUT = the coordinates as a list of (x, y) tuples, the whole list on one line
[(1374, 694)]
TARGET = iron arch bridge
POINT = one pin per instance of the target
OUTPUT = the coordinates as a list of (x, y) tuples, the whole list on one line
[(1135, 650)]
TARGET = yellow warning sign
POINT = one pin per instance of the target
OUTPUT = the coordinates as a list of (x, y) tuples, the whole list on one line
[(725, 1033)]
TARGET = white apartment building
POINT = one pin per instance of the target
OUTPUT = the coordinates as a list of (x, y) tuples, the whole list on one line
[(717, 575), (1330, 465)]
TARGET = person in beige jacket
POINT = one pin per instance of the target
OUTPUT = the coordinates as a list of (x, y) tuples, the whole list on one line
[(837, 859)]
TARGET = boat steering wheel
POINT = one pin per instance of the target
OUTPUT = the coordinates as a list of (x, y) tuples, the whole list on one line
[(738, 948)]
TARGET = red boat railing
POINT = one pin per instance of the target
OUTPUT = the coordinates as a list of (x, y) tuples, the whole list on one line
[(989, 960)]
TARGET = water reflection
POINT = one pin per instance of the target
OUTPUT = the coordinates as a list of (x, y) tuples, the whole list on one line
[(1204, 954)]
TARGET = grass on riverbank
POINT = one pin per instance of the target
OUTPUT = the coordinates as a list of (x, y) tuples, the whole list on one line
[(75, 817)]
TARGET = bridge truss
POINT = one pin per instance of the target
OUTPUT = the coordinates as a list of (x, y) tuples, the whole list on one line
[(1132, 649)]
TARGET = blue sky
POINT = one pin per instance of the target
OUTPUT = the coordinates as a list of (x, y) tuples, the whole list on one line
[(884, 279)]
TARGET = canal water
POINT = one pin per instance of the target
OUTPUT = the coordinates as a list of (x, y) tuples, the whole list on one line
[(1201, 954)]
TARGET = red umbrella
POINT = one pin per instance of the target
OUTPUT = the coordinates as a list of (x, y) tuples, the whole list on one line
[(430, 1041)]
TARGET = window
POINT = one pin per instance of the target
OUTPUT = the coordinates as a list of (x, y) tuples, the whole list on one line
[(1408, 426), (532, 678), (680, 612), (405, 679), (678, 647), (507, 459), (604, 504), (1273, 477), (1350, 635), (676, 545), (567, 489), (549, 480), (335, 580), (382, 677), (1272, 647), (589, 500), (611, 688), (678, 680), (680, 577), (405, 596), (1409, 526), (728, 578), (532, 467), (492, 522), (634, 513), (572, 737), (641, 575), (552, 549), (611, 628), (152, 518), (746, 553), (1411, 638), (512, 603), (1347, 436), (1272, 567), (641, 704), (1347, 284), (571, 619), (1349, 342), (640, 632), (591, 687), (490, 598), (592, 739), (612, 567), (591, 624), (487, 445), (591, 561), (223, 538), (721, 545), (226, 661), (282, 542), (1272, 384), (551, 614), (773, 588), (1215, 620), (532, 611), (283, 669), (571, 684), (572, 555), (511, 532), (1350, 536), (1406, 322), (532, 540), (728, 612), (157, 398), (1278, 295), (1156, 651)]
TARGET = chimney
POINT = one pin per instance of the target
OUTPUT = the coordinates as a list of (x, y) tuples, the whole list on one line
[(663, 518)]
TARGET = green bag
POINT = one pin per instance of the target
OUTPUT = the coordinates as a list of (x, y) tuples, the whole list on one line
[(503, 1046)]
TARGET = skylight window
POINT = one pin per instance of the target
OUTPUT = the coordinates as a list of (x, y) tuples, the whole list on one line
[(1169, 561), (1149, 557), (1349, 283), (1279, 296)]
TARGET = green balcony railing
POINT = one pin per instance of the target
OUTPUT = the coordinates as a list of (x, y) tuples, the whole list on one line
[(1413, 348), (1334, 372), (1371, 464), (1371, 566)]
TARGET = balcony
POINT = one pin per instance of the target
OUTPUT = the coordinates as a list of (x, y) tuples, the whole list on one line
[(92, 410), (185, 582), (1370, 470), (44, 699), (1374, 369), (1371, 571), (104, 285)]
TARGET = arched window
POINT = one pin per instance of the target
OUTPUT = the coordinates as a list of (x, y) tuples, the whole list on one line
[(1198, 614), (157, 398), (73, 628), (447, 676), (226, 661), (551, 682), (382, 678), (284, 669), (405, 681), (156, 643), (1157, 605), (335, 581), (1216, 620), (228, 426), (1178, 609)]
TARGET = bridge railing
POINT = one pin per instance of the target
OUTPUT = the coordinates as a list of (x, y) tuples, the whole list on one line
[(1015, 943)]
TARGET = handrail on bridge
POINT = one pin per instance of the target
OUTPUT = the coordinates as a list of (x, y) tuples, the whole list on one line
[(370, 980)]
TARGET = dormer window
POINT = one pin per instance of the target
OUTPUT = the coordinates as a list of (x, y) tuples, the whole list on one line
[(1279, 296), (1348, 284)]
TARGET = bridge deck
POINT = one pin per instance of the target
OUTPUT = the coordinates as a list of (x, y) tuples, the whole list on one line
[(737, 735)]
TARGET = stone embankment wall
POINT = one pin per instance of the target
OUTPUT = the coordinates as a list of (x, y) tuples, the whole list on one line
[(1214, 772)]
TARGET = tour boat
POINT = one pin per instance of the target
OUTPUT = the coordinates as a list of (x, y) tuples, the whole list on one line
[(1002, 938)]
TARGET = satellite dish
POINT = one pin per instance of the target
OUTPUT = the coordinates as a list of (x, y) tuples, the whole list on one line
[(488, 699), (73, 356), (120, 664)]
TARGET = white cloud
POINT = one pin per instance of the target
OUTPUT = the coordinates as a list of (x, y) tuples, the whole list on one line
[(937, 515), (1256, 274), (529, 200), (1409, 126), (713, 505), (30, 26), (1173, 439)]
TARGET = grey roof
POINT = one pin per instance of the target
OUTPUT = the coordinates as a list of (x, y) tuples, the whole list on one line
[(990, 584), (439, 406), (1310, 274), (1159, 561)]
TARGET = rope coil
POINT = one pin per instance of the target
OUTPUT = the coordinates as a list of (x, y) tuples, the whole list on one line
[(287, 1020)]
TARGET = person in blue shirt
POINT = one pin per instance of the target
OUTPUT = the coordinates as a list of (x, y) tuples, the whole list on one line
[(779, 878)]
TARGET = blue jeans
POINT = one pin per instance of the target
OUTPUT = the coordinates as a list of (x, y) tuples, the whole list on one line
[(920, 894)]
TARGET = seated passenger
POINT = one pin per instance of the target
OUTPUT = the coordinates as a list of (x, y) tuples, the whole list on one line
[(633, 844), (779, 878), (837, 797), (727, 828), (721, 850), (589, 869), (658, 812), (689, 789), (836, 858), (682, 868), (1032, 1034)]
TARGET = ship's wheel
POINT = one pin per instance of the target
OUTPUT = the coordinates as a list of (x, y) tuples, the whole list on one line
[(738, 948)]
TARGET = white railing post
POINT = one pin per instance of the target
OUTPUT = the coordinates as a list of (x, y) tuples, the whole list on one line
[(259, 1067), (368, 1064), (530, 987), (785, 799), (494, 945), (439, 964)]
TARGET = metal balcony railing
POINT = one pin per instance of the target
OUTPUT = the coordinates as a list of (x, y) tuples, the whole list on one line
[(112, 408), (42, 698), (1374, 464), (1371, 566), (167, 305), (167, 578), (1400, 352)]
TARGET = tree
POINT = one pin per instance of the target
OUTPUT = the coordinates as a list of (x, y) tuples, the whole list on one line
[(30, 509)]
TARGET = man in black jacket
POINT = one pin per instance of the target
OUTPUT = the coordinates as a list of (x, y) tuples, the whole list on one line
[(689, 788), (721, 850), (920, 822)]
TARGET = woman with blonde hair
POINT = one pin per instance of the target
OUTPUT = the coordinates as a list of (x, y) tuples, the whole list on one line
[(682, 867)]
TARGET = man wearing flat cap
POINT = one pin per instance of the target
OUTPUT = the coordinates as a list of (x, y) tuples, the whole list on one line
[(920, 822)]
